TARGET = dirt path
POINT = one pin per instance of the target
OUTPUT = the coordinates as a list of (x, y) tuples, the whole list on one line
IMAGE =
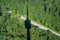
[(40, 26)]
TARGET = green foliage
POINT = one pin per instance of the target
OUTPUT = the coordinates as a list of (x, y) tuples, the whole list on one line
[(44, 12)]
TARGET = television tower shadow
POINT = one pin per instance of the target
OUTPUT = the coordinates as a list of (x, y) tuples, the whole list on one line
[(28, 26)]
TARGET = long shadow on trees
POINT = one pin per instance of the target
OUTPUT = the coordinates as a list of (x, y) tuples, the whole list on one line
[(0, 15), (28, 26)]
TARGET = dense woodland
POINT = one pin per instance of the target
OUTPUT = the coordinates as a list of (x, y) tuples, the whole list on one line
[(45, 12)]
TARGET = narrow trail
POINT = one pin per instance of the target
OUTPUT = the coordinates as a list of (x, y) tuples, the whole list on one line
[(40, 26)]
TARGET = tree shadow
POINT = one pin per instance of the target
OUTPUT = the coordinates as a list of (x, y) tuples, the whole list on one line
[(28, 26), (8, 12), (48, 34), (0, 11)]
